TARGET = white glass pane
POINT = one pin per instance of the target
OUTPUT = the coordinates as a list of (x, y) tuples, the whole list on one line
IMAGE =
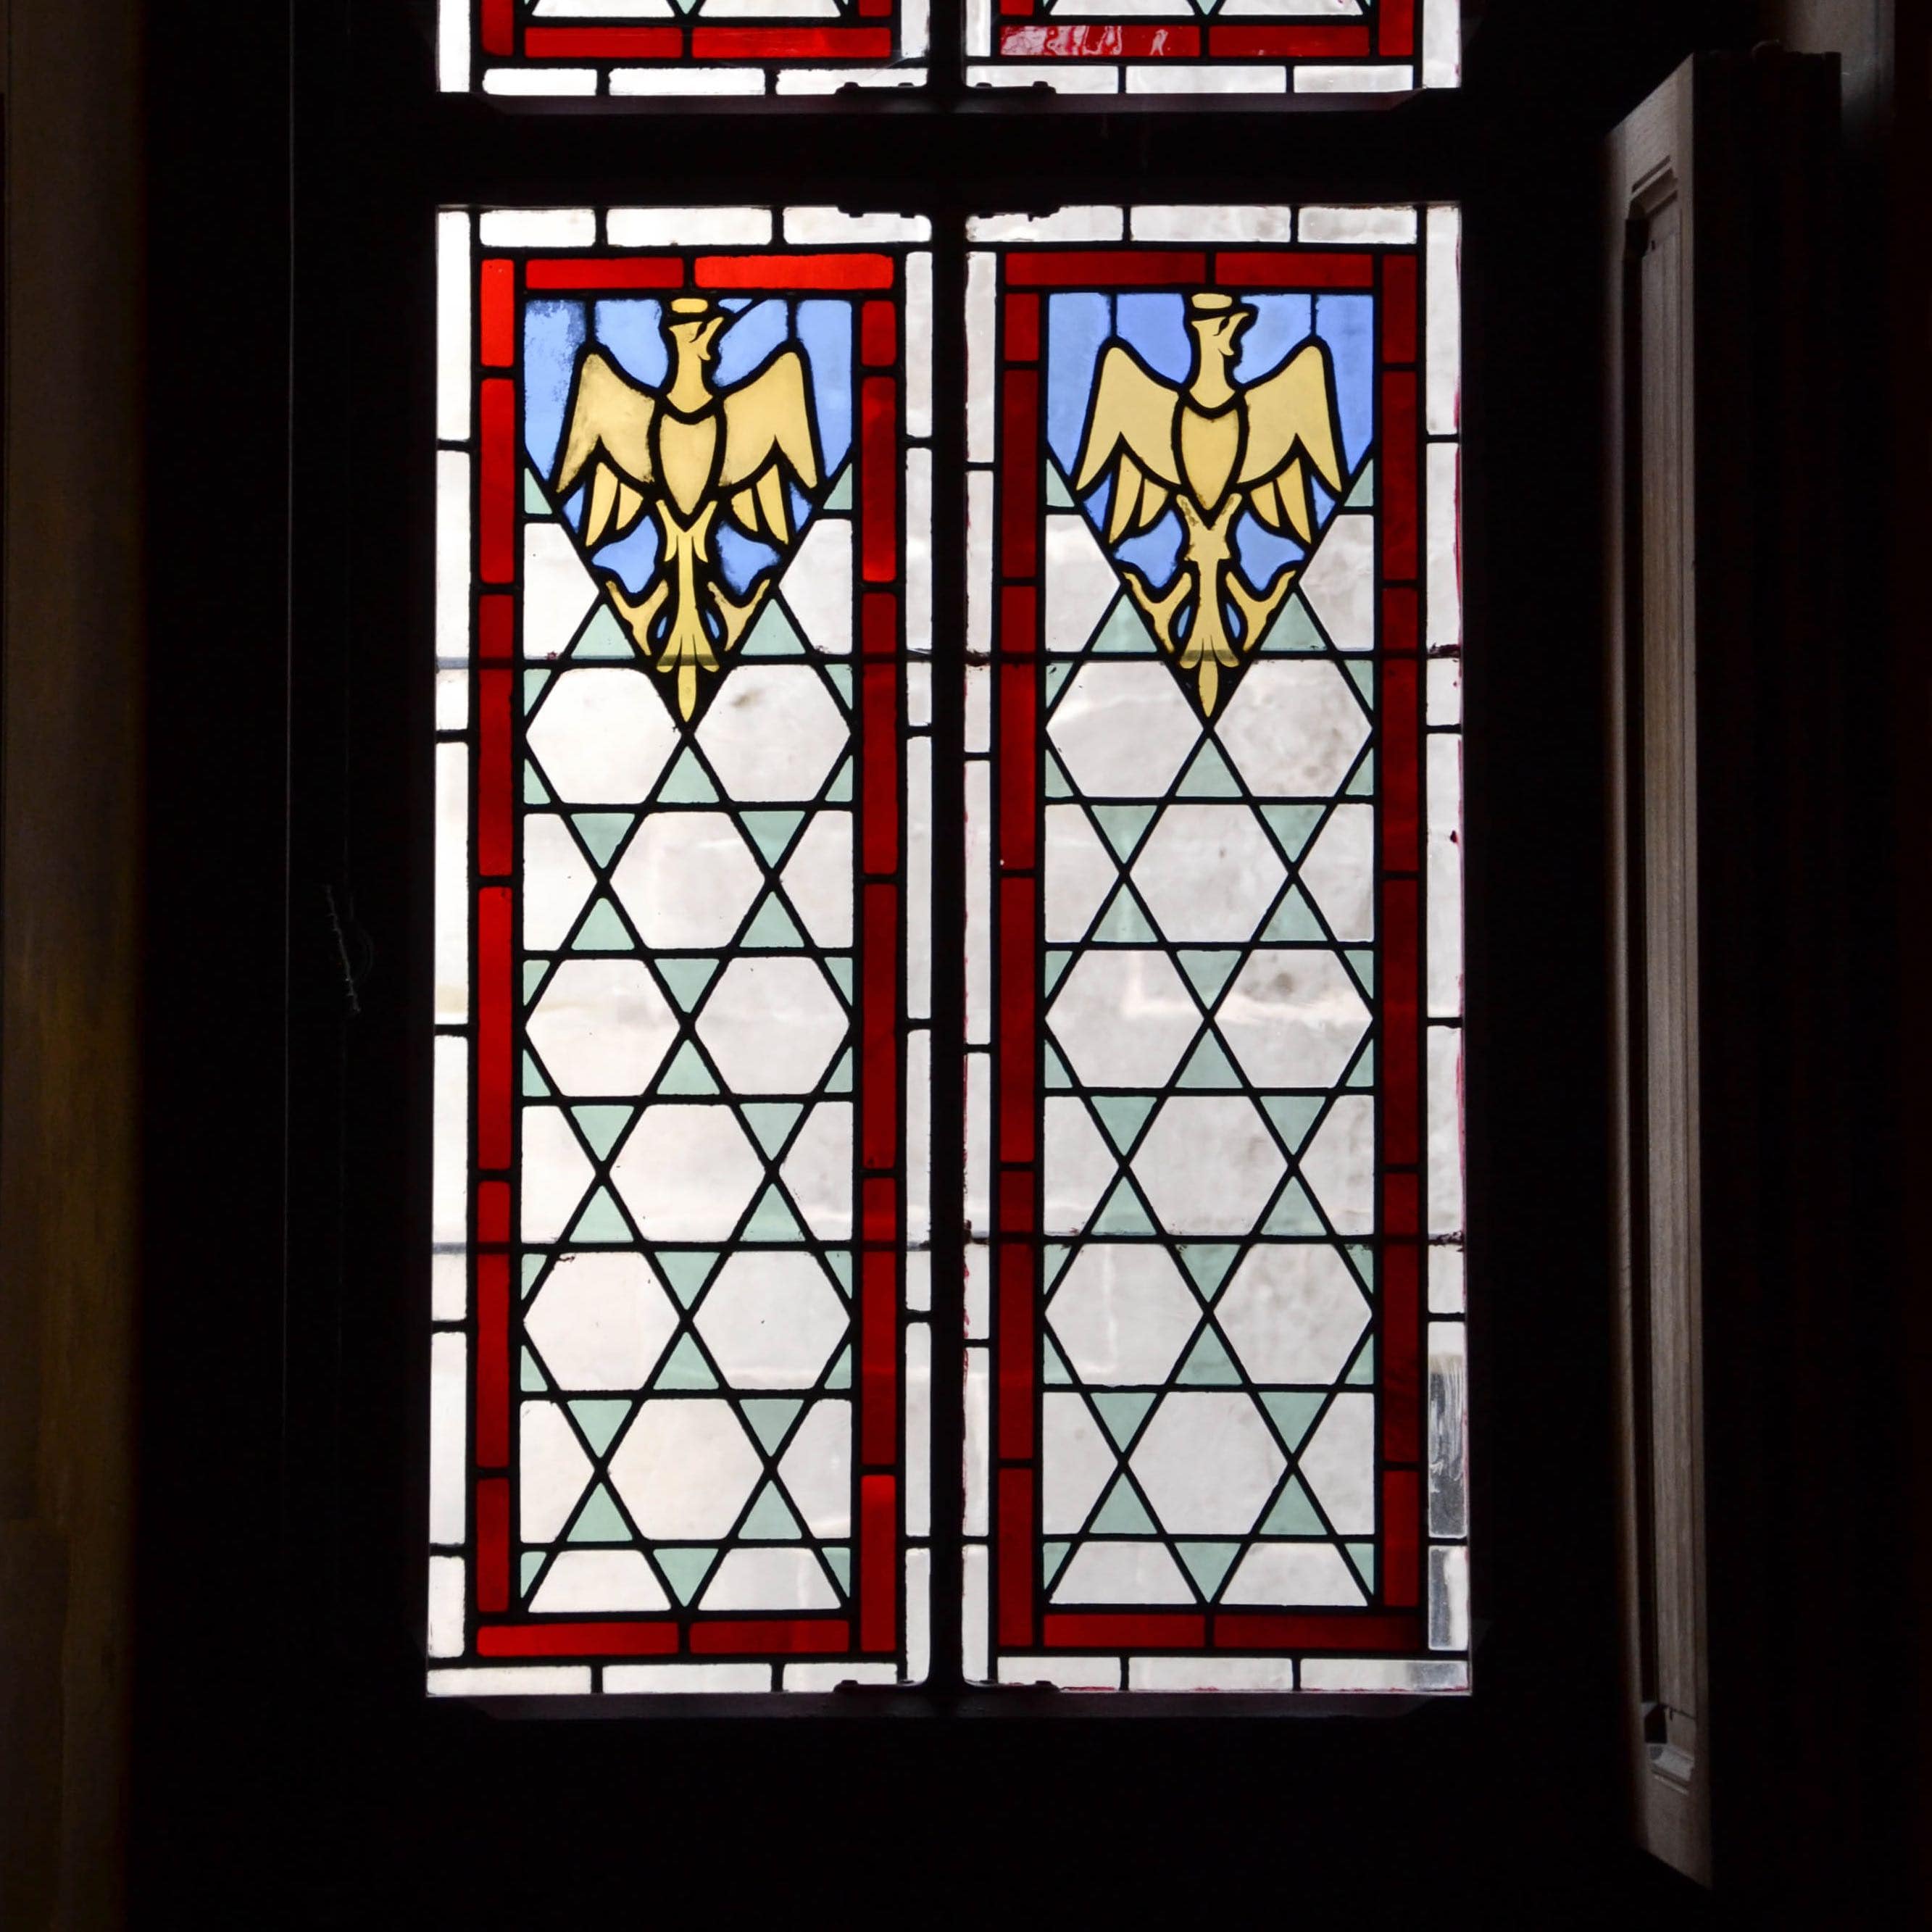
[(448, 1406), (452, 557), (453, 305), (452, 885)]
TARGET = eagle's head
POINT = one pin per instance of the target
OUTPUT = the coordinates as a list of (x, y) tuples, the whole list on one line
[(1217, 321), (694, 323)]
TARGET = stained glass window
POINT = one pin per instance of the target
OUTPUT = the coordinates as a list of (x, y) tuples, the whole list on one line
[(1188, 46), (642, 49), (1215, 1350), (680, 1358)]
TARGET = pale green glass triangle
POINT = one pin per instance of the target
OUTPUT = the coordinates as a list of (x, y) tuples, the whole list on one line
[(839, 496), (1208, 1066), (1124, 633), (1363, 1073), (771, 1121), (773, 926), (1121, 1411), (602, 1125), (773, 635), (600, 1521), (1056, 675), (841, 1081), (1121, 826), (533, 972), (1053, 1259), (1293, 1115), (1294, 919), (770, 1416), (1055, 1369), (1208, 1563), (1124, 920), (601, 1220), (1293, 629), (1208, 973), (532, 1562), (1052, 1556), (603, 931), (1121, 1114), (1057, 1075), (687, 782), (838, 1555), (1363, 785), (534, 1085), (687, 978), (687, 1073), (533, 786), (839, 792), (1362, 1371), (685, 1570), (771, 832), (841, 676), (1208, 776), (771, 1519), (686, 1368), (530, 1377), (1363, 1258), (1363, 673), (1124, 1513), (840, 1262), (1058, 497), (1058, 785), (772, 1220), (1364, 961), (1056, 965), (535, 503), (1208, 1365), (1362, 1556), (839, 965), (603, 637), (1294, 1213), (1293, 825), (1208, 1263), (1293, 1412), (600, 1417), (1293, 1513), (687, 1269), (1362, 496), (840, 1375), (534, 682), (602, 831), (1123, 1213), (532, 1267), (685, 6)]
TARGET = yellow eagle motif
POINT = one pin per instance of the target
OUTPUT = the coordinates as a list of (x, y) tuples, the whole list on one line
[(688, 452), (1213, 449)]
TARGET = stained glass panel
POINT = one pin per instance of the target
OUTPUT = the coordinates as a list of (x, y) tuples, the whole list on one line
[(1215, 1362), (682, 952), (643, 48), (1214, 46)]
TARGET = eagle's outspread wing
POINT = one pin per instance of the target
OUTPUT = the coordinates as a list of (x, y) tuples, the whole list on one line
[(1291, 428), (609, 434), (767, 439), (1133, 414)]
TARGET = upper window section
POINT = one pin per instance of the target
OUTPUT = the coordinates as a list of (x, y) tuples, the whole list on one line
[(1220, 47), (646, 48)]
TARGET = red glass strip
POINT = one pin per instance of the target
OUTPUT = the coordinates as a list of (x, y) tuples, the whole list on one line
[(878, 1357), (1015, 1522), (492, 1211), (1022, 320), (1016, 9), (1016, 1351), (1019, 474), (879, 1210), (496, 482), (1112, 1630), (879, 624), (1401, 1203), (1019, 606), (1402, 1537), (1400, 1350), (777, 270), (492, 1361), (493, 1543), (879, 1131), (603, 43), (1102, 40), (1019, 842), (1016, 1214), (878, 416), (499, 29), (1399, 308), (1401, 767), (878, 1583), (879, 699), (1400, 1048), (494, 1054), (629, 271), (1396, 21), (1401, 620), (1293, 268), (878, 330), (1018, 1021), (1286, 43), (778, 1636), (496, 339), (792, 43), (494, 803), (496, 626), (1396, 475), (627, 1639), (1105, 267), (1357, 1635), (875, 10)]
